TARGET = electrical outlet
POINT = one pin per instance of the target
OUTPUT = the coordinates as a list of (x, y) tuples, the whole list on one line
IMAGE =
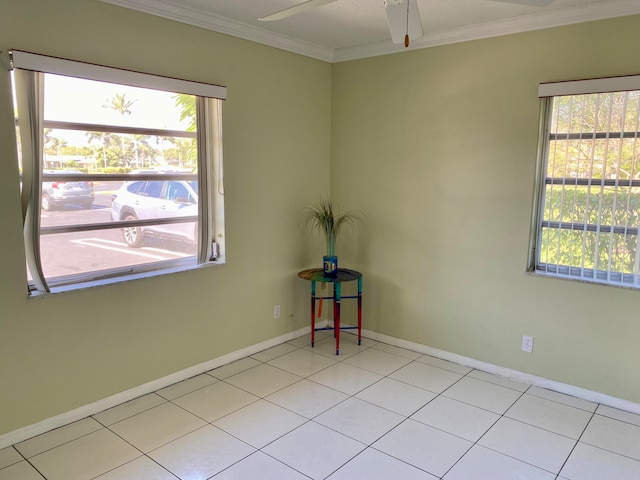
[(276, 311), (527, 344)]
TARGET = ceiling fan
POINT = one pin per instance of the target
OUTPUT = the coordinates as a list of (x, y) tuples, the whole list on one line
[(403, 16)]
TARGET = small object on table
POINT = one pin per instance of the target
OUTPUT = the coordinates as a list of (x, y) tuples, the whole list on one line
[(342, 275)]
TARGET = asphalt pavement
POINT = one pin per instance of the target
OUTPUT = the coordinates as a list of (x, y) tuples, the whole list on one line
[(81, 252)]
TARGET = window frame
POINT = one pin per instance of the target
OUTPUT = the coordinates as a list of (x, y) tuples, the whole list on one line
[(547, 93), (210, 217)]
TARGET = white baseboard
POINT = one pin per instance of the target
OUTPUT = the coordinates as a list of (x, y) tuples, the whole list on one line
[(516, 375), (66, 418), (30, 431)]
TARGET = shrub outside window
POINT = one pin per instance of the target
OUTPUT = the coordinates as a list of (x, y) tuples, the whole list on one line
[(587, 215), (121, 173)]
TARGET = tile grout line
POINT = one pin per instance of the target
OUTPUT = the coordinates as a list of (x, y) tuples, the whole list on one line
[(142, 454), (606, 449), (503, 415), (24, 459), (260, 449), (557, 475), (577, 441), (353, 396), (406, 417), (349, 396), (473, 444), (559, 402), (61, 444), (409, 417), (312, 419), (164, 400)]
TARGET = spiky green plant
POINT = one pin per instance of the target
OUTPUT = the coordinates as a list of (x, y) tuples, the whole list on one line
[(326, 217)]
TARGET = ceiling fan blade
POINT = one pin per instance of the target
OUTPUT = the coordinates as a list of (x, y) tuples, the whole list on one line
[(404, 20), (295, 10), (533, 3)]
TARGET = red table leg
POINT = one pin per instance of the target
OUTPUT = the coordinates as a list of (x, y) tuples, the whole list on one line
[(359, 310), (313, 312), (336, 325)]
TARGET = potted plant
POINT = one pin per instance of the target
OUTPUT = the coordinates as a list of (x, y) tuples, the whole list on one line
[(325, 216)]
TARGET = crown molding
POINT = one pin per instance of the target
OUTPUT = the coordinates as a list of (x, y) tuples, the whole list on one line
[(586, 13), (540, 21), (199, 18)]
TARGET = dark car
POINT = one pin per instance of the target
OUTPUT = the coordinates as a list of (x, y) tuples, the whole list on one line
[(63, 193)]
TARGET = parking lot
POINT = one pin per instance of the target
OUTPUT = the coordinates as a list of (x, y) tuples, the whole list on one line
[(79, 252)]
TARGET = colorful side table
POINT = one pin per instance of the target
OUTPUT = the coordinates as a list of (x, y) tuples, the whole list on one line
[(342, 275)]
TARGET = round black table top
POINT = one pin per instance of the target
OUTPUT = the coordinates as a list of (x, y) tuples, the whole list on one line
[(318, 275)]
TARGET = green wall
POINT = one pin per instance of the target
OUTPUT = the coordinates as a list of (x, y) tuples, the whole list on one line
[(438, 148), (67, 350)]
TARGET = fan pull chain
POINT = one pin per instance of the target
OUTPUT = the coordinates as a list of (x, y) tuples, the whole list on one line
[(406, 35)]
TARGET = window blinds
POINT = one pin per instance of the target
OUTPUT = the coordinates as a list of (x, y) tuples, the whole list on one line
[(594, 85), (90, 71)]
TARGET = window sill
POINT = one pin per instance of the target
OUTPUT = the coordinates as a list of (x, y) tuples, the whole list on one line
[(556, 276), (124, 278)]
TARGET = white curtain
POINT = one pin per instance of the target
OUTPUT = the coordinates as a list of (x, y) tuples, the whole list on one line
[(209, 125), (30, 97)]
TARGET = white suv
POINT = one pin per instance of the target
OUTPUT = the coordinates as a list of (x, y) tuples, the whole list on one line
[(156, 199)]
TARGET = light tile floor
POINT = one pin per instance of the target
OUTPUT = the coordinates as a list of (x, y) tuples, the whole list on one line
[(376, 412)]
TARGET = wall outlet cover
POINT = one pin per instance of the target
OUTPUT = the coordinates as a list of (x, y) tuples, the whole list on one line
[(527, 344)]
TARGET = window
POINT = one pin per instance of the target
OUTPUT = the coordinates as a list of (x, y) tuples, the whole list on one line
[(587, 215), (121, 172)]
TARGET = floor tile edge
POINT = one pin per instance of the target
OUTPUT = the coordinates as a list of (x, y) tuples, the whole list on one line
[(17, 436), (510, 374)]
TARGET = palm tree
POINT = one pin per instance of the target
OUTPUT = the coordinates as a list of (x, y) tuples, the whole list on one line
[(103, 138), (122, 105), (58, 144), (186, 148), (53, 145), (47, 136), (143, 150), (187, 104)]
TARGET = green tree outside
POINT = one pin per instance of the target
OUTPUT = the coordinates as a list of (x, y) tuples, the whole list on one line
[(593, 138)]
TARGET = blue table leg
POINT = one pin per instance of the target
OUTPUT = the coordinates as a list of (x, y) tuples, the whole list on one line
[(336, 327)]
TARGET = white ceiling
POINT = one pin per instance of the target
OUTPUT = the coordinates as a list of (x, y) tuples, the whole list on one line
[(350, 29)]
